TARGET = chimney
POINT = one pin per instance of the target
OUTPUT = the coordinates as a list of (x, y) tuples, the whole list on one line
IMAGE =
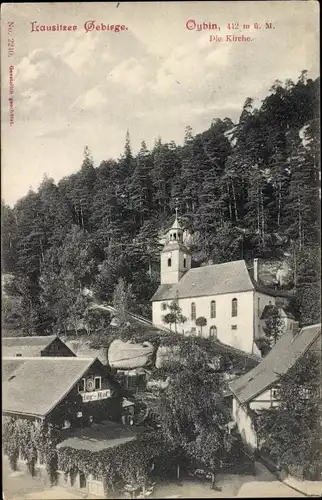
[(255, 275)]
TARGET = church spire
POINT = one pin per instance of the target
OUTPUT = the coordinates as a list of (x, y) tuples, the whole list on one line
[(176, 224), (175, 257)]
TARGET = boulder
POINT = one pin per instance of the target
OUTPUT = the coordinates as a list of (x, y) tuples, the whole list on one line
[(127, 355), (166, 353), (158, 383)]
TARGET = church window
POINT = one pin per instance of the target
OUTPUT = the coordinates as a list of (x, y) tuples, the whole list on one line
[(175, 236), (213, 309), (193, 311), (184, 262), (163, 306), (213, 332), (258, 305), (234, 308), (169, 262)]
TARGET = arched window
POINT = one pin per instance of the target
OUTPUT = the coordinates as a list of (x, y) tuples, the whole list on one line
[(193, 310), (184, 262), (169, 262), (175, 236), (213, 309), (234, 307), (213, 332)]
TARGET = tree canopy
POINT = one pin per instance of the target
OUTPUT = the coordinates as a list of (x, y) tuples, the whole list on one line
[(243, 190)]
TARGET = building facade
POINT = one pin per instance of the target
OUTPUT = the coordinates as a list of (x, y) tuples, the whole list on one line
[(257, 389), (226, 295), (33, 346), (78, 396)]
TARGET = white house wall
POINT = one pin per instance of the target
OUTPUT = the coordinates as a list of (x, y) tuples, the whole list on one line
[(241, 338), (263, 401), (245, 425)]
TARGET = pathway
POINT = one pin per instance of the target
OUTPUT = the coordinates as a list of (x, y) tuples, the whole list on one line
[(21, 486)]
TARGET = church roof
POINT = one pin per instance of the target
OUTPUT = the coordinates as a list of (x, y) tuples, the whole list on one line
[(176, 224), (217, 279)]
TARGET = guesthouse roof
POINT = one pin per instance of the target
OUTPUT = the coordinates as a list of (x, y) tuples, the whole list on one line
[(28, 346), (35, 385), (287, 350)]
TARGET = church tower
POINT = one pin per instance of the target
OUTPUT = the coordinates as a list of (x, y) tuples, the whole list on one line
[(175, 257)]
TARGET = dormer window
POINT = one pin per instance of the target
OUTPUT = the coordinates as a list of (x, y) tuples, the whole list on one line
[(82, 385)]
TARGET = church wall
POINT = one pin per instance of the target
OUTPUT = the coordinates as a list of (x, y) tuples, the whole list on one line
[(241, 337)]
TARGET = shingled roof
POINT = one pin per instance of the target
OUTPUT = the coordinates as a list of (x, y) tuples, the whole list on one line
[(29, 346), (287, 350), (229, 277), (34, 386)]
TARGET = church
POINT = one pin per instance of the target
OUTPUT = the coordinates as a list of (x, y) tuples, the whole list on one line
[(226, 295)]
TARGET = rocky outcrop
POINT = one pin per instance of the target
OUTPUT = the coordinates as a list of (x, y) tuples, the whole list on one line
[(126, 355), (165, 354)]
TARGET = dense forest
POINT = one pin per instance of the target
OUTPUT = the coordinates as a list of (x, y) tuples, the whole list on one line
[(243, 190)]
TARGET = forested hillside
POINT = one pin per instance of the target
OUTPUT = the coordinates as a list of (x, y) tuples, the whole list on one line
[(243, 190)]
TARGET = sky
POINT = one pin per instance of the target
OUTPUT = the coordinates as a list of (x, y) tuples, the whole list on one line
[(74, 88)]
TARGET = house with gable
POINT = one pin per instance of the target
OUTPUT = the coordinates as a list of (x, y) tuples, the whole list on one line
[(228, 295), (257, 389), (78, 396), (33, 346)]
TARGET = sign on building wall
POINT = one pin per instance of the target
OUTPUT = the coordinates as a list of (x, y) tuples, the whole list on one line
[(96, 395)]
